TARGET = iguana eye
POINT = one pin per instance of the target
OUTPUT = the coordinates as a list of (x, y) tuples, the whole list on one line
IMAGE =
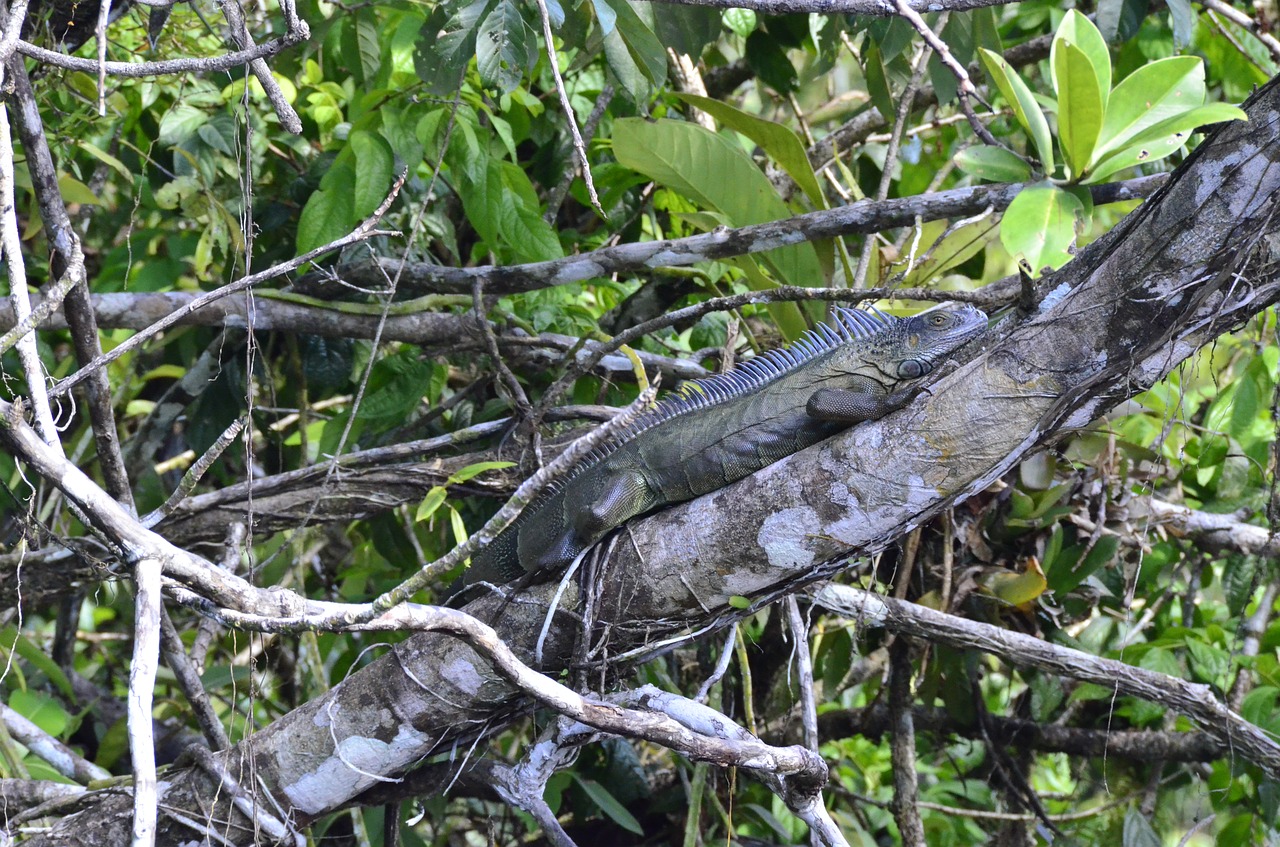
[(938, 319), (910, 369)]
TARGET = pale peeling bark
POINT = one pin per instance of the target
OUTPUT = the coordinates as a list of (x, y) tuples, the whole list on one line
[(1113, 322)]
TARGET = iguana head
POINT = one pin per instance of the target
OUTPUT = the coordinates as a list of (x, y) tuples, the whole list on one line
[(926, 339), (904, 349)]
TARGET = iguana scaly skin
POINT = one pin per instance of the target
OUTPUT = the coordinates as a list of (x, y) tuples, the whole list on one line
[(718, 430)]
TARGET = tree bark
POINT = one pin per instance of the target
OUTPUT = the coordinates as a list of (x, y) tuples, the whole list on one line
[(1197, 259)]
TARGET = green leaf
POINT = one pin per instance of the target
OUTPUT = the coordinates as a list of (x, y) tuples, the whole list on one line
[(1163, 139), (75, 191), (779, 142), (1153, 93), (1040, 226), (1024, 105), (106, 158), (478, 468), (361, 50), (634, 53), (715, 173), (446, 44), (769, 60), (433, 501), (375, 169), (1078, 30), (1138, 832), (605, 16), (742, 22), (505, 47), (328, 215), (42, 710), (1183, 20), (994, 164), (35, 655), (180, 123), (612, 809), (1119, 20), (1080, 106), (878, 81)]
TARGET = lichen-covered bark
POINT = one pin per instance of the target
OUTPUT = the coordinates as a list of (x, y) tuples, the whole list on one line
[(1126, 311)]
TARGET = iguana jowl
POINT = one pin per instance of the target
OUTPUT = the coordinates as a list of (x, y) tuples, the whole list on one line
[(723, 428)]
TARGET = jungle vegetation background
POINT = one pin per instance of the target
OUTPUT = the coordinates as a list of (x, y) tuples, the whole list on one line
[(694, 118)]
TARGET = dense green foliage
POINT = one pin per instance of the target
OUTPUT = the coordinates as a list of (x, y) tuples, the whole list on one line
[(189, 182)]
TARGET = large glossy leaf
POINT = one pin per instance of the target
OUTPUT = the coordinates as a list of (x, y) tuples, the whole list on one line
[(780, 143), (1024, 105), (1040, 226), (716, 174), (1151, 94), (1161, 140), (1080, 106), (1078, 30)]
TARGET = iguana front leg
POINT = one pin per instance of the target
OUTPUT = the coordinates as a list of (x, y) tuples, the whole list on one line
[(841, 404)]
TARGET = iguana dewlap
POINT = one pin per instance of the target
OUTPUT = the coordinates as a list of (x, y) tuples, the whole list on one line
[(715, 431)]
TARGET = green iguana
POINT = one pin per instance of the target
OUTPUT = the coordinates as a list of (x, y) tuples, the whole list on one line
[(723, 428)]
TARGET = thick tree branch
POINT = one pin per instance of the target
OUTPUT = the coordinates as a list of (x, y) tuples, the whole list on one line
[(865, 216)]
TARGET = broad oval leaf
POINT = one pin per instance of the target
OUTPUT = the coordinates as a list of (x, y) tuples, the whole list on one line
[(328, 215), (1023, 103), (993, 163), (1040, 226), (375, 168), (1080, 106), (1080, 31), (1151, 94)]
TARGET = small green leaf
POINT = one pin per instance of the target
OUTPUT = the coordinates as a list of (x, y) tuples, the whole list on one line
[(994, 164), (1080, 106), (328, 215), (741, 21), (75, 191), (1040, 226), (770, 62), (375, 169), (1119, 20), (612, 809), (737, 601), (471, 471), (107, 159), (878, 81), (1024, 105), (1138, 832), (1153, 93), (434, 500)]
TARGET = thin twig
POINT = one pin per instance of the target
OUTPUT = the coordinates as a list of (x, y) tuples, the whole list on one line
[(569, 117), (142, 683)]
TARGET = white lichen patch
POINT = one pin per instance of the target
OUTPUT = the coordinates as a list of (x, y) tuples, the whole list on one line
[(464, 675), (356, 764), (784, 538), (1054, 297)]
